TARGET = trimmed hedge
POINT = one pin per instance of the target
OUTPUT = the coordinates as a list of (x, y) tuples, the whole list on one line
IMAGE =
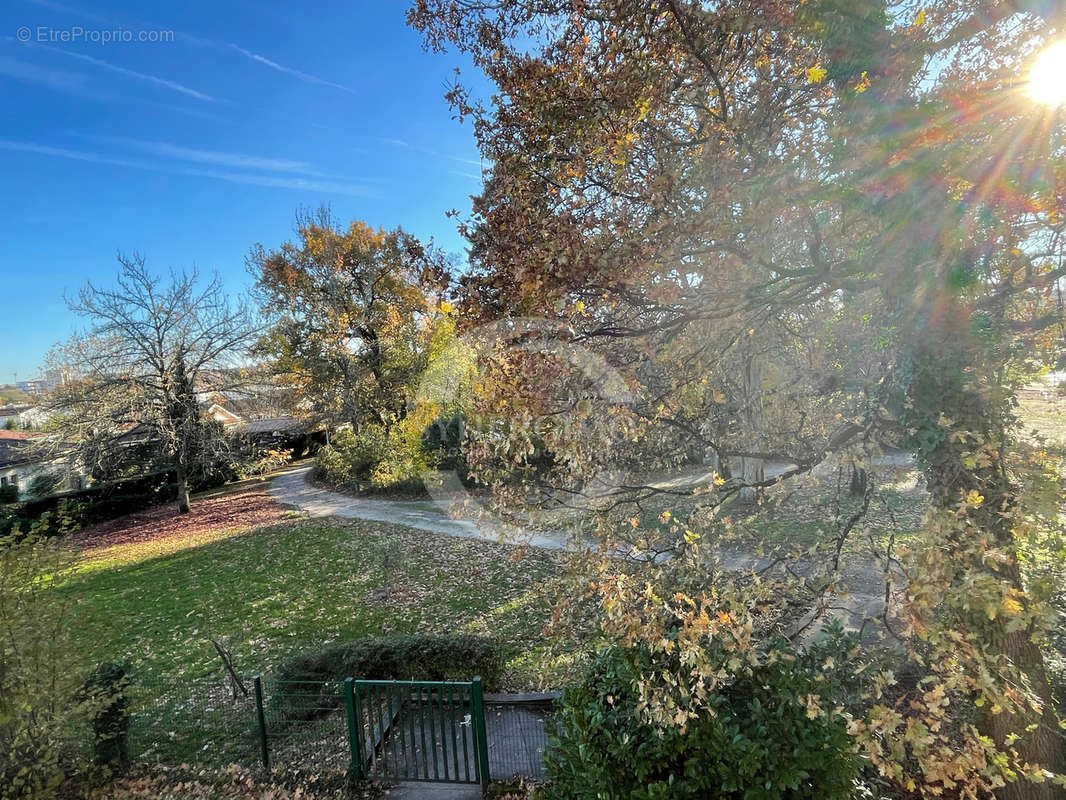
[(423, 657)]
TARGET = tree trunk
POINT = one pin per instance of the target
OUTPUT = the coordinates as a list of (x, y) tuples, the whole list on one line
[(183, 491), (860, 480), (945, 391), (1044, 745), (751, 468)]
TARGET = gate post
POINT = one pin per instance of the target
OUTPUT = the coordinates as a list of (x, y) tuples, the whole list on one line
[(355, 729), (481, 745), (264, 749)]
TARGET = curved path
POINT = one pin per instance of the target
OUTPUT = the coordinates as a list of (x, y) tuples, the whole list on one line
[(293, 487)]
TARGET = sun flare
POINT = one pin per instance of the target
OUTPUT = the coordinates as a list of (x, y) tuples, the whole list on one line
[(1047, 80)]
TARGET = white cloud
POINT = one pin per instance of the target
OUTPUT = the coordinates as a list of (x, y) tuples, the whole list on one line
[(307, 78), (60, 80), (274, 181), (164, 82), (218, 158)]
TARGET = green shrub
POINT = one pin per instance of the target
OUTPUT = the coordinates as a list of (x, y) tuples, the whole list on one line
[(9, 494), (758, 742), (404, 657), (444, 444), (442, 441), (44, 485), (374, 459), (51, 516), (106, 688), (45, 717), (350, 458)]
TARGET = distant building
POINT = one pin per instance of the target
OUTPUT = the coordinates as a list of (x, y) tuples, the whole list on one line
[(222, 415), (20, 464), (37, 385), (280, 432), (33, 417), (10, 415), (22, 416)]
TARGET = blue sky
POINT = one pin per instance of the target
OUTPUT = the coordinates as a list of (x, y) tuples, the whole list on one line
[(192, 150)]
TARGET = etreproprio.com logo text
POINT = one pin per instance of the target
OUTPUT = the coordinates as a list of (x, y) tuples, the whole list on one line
[(47, 34)]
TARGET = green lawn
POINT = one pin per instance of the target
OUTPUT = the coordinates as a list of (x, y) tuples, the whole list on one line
[(278, 590)]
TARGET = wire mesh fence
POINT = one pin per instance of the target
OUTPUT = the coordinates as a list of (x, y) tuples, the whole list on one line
[(303, 725), (203, 720)]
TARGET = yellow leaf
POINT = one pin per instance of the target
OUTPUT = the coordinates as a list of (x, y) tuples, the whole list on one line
[(445, 307), (919, 20), (816, 74), (1010, 606)]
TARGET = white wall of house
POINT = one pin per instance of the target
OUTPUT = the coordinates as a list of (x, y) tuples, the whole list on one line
[(22, 475), (32, 418)]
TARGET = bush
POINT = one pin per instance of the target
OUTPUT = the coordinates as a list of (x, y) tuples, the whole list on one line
[(51, 516), (423, 657), (45, 717), (442, 441), (106, 688), (9, 494), (374, 459), (350, 458), (759, 740), (44, 485)]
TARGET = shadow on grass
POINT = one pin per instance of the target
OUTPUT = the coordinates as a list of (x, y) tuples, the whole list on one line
[(274, 591)]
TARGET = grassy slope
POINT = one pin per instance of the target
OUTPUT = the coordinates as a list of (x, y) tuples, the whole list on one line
[(13, 396), (1046, 417), (153, 588), (280, 589)]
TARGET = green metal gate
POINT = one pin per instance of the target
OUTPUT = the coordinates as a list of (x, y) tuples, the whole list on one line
[(417, 730)]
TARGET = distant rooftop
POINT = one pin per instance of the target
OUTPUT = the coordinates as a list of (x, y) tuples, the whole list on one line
[(275, 425), (13, 446)]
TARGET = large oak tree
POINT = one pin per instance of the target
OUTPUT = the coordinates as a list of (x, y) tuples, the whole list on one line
[(670, 169), (351, 312)]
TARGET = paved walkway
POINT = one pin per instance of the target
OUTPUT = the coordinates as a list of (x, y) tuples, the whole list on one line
[(865, 580), (434, 791), (293, 487)]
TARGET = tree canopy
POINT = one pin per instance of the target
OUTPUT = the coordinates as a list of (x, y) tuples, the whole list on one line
[(851, 211), (132, 381), (352, 312)]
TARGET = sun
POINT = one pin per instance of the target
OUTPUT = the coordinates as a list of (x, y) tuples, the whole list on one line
[(1047, 79)]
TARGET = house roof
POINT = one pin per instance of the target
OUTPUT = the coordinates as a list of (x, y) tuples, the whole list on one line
[(222, 414), (262, 427), (13, 447)]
